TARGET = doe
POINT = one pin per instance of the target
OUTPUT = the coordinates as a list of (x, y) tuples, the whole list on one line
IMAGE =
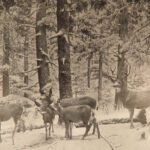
[(76, 114), (85, 100), (8, 111)]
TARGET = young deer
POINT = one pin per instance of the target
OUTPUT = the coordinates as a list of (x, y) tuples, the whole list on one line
[(47, 114), (76, 114), (48, 117), (8, 111)]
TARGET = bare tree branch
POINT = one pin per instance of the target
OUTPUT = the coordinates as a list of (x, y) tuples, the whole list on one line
[(60, 33), (146, 37), (116, 12), (111, 78), (31, 86), (145, 25), (48, 58)]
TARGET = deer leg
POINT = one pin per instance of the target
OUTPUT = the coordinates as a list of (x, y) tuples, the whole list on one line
[(70, 128), (52, 127), (98, 131), (49, 129), (93, 129), (0, 133), (45, 131), (94, 125), (66, 129), (87, 130), (131, 111), (23, 125), (13, 133)]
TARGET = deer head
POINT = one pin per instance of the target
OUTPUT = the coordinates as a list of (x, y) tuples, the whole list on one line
[(47, 98), (57, 108)]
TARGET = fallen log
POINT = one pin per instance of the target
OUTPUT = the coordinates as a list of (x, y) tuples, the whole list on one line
[(141, 117), (117, 121), (110, 121)]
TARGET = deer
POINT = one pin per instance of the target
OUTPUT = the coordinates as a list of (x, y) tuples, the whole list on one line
[(75, 114), (8, 111), (133, 100), (85, 100), (47, 113), (48, 118)]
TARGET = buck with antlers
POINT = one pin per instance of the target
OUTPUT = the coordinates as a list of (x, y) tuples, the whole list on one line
[(133, 100)]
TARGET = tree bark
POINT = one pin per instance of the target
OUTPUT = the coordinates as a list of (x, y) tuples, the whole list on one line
[(41, 45), (26, 47), (122, 74), (100, 78), (26, 63), (6, 52), (89, 72), (122, 65), (65, 88)]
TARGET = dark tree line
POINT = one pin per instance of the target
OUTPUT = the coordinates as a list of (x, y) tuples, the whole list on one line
[(83, 31)]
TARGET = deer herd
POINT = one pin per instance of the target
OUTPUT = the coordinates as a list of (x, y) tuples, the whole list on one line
[(69, 111), (72, 110)]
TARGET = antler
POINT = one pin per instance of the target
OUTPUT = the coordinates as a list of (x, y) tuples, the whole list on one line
[(113, 70), (111, 77)]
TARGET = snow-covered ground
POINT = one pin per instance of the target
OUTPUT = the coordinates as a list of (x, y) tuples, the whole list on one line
[(119, 135)]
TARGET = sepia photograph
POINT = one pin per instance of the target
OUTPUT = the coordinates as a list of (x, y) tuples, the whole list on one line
[(74, 74)]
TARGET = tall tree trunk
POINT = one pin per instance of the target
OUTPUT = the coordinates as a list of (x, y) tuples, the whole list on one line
[(41, 45), (26, 47), (63, 51), (6, 52), (122, 65), (122, 77), (89, 71), (26, 63), (100, 78)]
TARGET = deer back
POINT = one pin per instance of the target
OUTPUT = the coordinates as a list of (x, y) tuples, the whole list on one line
[(10, 110), (138, 99), (77, 113), (86, 100)]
